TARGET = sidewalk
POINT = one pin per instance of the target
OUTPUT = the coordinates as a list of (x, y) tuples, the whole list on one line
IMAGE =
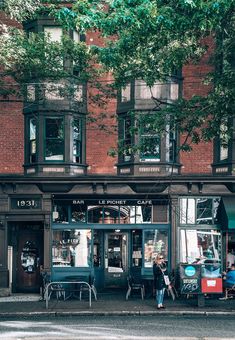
[(110, 304)]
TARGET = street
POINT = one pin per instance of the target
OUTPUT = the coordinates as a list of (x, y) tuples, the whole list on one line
[(119, 327)]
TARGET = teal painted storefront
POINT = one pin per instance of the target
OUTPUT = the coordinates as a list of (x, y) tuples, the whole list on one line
[(113, 250)]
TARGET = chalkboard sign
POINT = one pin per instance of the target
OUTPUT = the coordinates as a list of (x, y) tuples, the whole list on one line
[(190, 286), (190, 278)]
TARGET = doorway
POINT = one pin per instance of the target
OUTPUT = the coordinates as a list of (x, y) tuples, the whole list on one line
[(116, 259), (27, 242)]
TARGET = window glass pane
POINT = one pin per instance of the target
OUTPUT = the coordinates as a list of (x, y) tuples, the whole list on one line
[(127, 139), (60, 214), (126, 93), (54, 144), (54, 150), (137, 248), (155, 242), (111, 215), (97, 245), (95, 214), (71, 248), (55, 33), (32, 128), (200, 246), (204, 211), (143, 214), (78, 213), (32, 140), (187, 211), (223, 152), (149, 140), (77, 150)]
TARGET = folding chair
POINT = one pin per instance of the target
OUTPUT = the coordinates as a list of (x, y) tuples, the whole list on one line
[(229, 293)]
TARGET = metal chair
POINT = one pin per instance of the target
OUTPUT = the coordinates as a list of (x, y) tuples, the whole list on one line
[(134, 285), (229, 293)]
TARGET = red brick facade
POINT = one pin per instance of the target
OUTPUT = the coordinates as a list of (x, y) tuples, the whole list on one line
[(98, 141)]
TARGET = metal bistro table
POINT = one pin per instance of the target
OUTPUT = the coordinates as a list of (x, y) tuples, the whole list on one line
[(63, 286)]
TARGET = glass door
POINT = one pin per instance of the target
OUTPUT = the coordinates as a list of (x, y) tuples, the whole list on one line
[(116, 259)]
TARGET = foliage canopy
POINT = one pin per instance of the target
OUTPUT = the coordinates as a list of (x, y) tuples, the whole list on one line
[(144, 39)]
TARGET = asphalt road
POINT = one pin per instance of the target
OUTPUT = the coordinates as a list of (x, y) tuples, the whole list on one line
[(119, 327)]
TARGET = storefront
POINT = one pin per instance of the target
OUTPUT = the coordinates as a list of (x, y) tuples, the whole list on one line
[(108, 238)]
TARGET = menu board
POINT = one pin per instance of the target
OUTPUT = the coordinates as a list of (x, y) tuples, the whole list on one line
[(190, 279)]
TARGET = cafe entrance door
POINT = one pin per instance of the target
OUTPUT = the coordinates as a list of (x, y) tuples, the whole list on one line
[(116, 259)]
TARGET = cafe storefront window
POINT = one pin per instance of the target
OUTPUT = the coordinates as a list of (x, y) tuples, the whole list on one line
[(155, 242), (200, 240), (71, 248), (202, 247)]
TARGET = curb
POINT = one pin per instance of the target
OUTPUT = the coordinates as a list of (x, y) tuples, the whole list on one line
[(115, 313)]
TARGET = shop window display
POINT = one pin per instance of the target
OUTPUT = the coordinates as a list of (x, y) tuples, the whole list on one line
[(155, 242), (71, 248), (202, 247)]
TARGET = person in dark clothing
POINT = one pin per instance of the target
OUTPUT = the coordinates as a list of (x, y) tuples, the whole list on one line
[(159, 270)]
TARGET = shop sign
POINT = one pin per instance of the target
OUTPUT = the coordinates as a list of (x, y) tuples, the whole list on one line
[(112, 202), (26, 203), (214, 285)]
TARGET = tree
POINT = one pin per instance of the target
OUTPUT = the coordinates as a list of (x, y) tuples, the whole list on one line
[(148, 40)]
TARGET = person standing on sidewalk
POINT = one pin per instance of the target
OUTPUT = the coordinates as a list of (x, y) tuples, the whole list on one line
[(159, 270)]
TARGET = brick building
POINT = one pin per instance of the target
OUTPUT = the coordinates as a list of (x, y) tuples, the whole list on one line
[(69, 207)]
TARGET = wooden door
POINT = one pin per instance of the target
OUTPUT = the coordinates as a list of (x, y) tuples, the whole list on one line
[(29, 259)]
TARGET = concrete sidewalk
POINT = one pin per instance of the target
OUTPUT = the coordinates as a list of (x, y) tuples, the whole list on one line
[(110, 304)]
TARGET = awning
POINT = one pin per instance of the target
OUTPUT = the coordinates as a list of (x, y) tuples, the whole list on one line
[(227, 212)]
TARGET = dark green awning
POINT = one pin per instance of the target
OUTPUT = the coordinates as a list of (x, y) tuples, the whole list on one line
[(227, 212)]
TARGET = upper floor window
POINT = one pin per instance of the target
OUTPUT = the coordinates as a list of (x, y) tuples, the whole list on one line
[(127, 140), (150, 146), (223, 144), (54, 32), (54, 139), (126, 93), (77, 140), (32, 140)]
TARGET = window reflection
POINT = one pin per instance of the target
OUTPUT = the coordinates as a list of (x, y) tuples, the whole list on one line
[(137, 248), (71, 248), (198, 210), (60, 214), (97, 243), (78, 213), (155, 242), (200, 246)]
